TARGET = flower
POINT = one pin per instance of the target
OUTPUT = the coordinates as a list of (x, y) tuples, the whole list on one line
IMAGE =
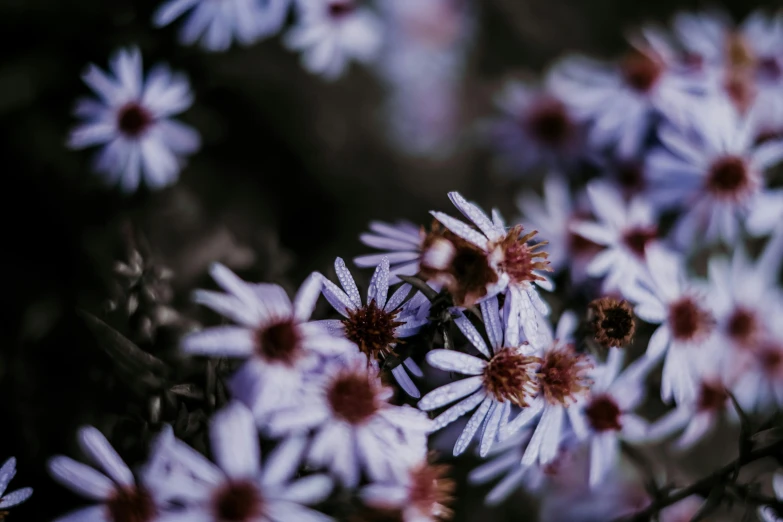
[(768, 513), (758, 383), (217, 23), (356, 429), (504, 376), (132, 123), (123, 500), (400, 242), (379, 325), (612, 323), (273, 334), (713, 171), (663, 295), (330, 33), (16, 497), (238, 488), (625, 230), (484, 262)]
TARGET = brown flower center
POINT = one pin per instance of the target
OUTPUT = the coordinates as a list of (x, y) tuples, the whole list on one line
[(563, 375), (372, 329), (743, 326), (771, 358), (431, 490), (133, 119), (637, 239), (510, 376), (688, 321), (352, 396), (548, 122), (712, 396), (519, 259), (613, 322), (641, 70), (340, 9), (729, 178), (279, 342), (237, 501), (131, 504), (603, 413)]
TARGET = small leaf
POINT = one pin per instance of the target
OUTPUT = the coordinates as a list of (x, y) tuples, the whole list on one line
[(429, 292)]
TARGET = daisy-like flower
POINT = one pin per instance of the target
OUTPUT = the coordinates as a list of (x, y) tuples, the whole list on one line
[(122, 498), (272, 333), (331, 33), (624, 229), (712, 170), (621, 102), (356, 429), (131, 121), (422, 496), (758, 383), (400, 242), (238, 489), (768, 513), (379, 325), (563, 380), (16, 497), (216, 24), (552, 216), (535, 128), (663, 295), (477, 264)]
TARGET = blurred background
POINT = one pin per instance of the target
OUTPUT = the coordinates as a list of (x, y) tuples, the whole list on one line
[(291, 170)]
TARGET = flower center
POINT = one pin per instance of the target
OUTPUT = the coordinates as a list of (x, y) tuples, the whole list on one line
[(237, 501), (548, 122), (430, 490), (743, 326), (771, 358), (563, 375), (729, 178), (739, 51), (613, 322), (641, 70), (353, 397), (603, 413), (511, 376), (279, 342), (519, 259), (131, 504), (712, 396), (636, 239), (372, 329), (341, 9), (688, 321), (630, 176), (133, 119)]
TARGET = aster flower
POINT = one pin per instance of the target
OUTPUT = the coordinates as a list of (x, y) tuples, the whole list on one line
[(16, 497), (625, 230), (131, 121), (400, 242), (481, 263), (758, 382), (562, 378), (768, 513), (330, 33), (713, 171), (238, 488), (421, 496), (379, 325), (216, 24), (356, 429), (662, 295), (272, 333), (552, 216), (534, 128), (117, 490)]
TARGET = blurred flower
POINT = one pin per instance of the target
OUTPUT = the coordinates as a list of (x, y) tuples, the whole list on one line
[(759, 383), (768, 513), (356, 429), (217, 23), (400, 242), (16, 497), (131, 122), (330, 33), (377, 326)]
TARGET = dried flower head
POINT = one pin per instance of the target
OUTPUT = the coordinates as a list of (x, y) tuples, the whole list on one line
[(511, 376), (612, 322), (563, 375)]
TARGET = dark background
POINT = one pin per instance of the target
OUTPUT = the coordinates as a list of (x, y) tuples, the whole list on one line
[(291, 170)]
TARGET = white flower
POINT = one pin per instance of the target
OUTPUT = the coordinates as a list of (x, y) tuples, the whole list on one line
[(504, 376), (400, 242), (238, 488), (624, 229), (767, 513), (377, 326), (117, 490), (272, 333), (662, 295), (216, 24), (488, 261), (356, 429), (758, 384), (7, 500), (712, 170), (562, 377), (330, 33), (131, 120)]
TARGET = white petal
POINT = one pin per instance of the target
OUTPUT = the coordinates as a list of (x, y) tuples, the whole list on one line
[(307, 296), (223, 341), (449, 393), (477, 216), (472, 427), (95, 445), (81, 478), (462, 230), (7, 473), (470, 331), (235, 441), (456, 411), (379, 284), (15, 497), (453, 361), (347, 282)]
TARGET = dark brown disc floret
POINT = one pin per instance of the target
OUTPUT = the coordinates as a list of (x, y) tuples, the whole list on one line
[(563, 375), (280, 341), (133, 119), (641, 70), (743, 327), (237, 501), (431, 490), (637, 239), (603, 413), (372, 329), (712, 396), (511, 376), (688, 321), (353, 396), (730, 178), (548, 122), (341, 8), (519, 259), (612, 322), (131, 504)]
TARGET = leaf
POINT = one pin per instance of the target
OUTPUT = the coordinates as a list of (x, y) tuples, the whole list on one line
[(187, 390), (429, 292)]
